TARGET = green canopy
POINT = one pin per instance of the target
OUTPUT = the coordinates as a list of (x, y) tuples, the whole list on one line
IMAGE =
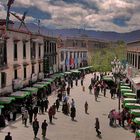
[(67, 72), (137, 121), (125, 84), (108, 78), (20, 94), (130, 95), (126, 90), (32, 90), (138, 133), (75, 71), (1, 106), (6, 100), (39, 85), (124, 87), (129, 100), (135, 112), (49, 79), (132, 105), (44, 83)]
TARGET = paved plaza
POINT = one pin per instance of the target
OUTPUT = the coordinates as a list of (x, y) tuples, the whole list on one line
[(81, 129)]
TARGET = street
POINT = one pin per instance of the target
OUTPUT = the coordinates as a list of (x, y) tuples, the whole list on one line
[(83, 128)]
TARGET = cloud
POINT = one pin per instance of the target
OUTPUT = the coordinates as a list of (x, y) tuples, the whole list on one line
[(106, 15)]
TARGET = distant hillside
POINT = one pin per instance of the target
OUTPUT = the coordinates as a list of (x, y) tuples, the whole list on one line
[(111, 36)]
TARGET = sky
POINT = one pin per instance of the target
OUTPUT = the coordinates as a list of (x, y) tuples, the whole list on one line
[(104, 15)]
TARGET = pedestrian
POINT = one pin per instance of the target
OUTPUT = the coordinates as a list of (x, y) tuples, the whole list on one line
[(86, 107), (68, 90), (82, 81), (35, 111), (73, 113), (25, 117), (57, 102), (30, 112), (76, 81), (22, 112), (90, 89), (46, 103), (54, 110), (44, 128), (97, 127), (8, 137), (35, 127), (72, 102), (50, 113)]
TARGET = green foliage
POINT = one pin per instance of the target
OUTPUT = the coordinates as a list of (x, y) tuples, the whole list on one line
[(101, 58)]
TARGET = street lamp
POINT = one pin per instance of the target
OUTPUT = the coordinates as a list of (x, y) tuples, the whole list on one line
[(117, 70)]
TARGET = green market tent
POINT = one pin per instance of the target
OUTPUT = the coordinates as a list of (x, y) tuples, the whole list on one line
[(67, 72), (130, 95), (32, 90), (138, 133), (75, 71), (108, 78), (125, 84), (137, 121), (20, 94), (124, 87), (39, 86), (49, 79), (6, 100), (132, 105), (44, 83), (129, 100), (1, 106), (135, 112), (126, 90)]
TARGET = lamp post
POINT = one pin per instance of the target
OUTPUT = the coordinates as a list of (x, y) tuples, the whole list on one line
[(117, 70)]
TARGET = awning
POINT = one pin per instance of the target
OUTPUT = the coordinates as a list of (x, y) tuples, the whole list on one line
[(67, 72), (135, 112), (126, 90), (44, 83), (132, 105), (138, 133), (108, 78), (6, 100), (137, 121), (130, 95), (124, 87), (39, 85), (49, 79), (1, 106), (32, 90), (75, 71), (20, 94), (125, 84), (129, 100)]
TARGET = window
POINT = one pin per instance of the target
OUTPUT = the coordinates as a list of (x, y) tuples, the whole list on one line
[(55, 47), (62, 56), (48, 46), (25, 74), (39, 67), (24, 50), (15, 51), (15, 74), (39, 51), (33, 50), (33, 69), (3, 79)]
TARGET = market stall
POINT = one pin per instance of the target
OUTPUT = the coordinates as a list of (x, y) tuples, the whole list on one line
[(126, 91), (135, 112), (132, 106), (129, 95), (129, 100)]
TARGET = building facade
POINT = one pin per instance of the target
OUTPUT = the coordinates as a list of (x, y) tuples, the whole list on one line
[(73, 53), (22, 56)]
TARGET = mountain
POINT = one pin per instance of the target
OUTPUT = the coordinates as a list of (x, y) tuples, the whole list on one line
[(103, 35)]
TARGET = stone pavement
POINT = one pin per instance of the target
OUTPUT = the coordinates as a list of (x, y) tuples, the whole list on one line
[(81, 129)]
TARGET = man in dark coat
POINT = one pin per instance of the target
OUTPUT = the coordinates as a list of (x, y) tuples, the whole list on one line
[(35, 127), (44, 128), (68, 90), (73, 113), (57, 102), (46, 103), (97, 127), (8, 137)]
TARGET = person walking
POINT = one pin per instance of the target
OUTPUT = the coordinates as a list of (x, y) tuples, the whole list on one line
[(97, 127), (73, 113), (44, 128), (50, 113), (68, 90), (82, 81), (86, 107), (30, 112), (57, 102), (25, 117), (8, 137), (46, 103), (35, 127)]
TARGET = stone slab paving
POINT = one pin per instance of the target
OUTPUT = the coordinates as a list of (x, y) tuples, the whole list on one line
[(81, 129)]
